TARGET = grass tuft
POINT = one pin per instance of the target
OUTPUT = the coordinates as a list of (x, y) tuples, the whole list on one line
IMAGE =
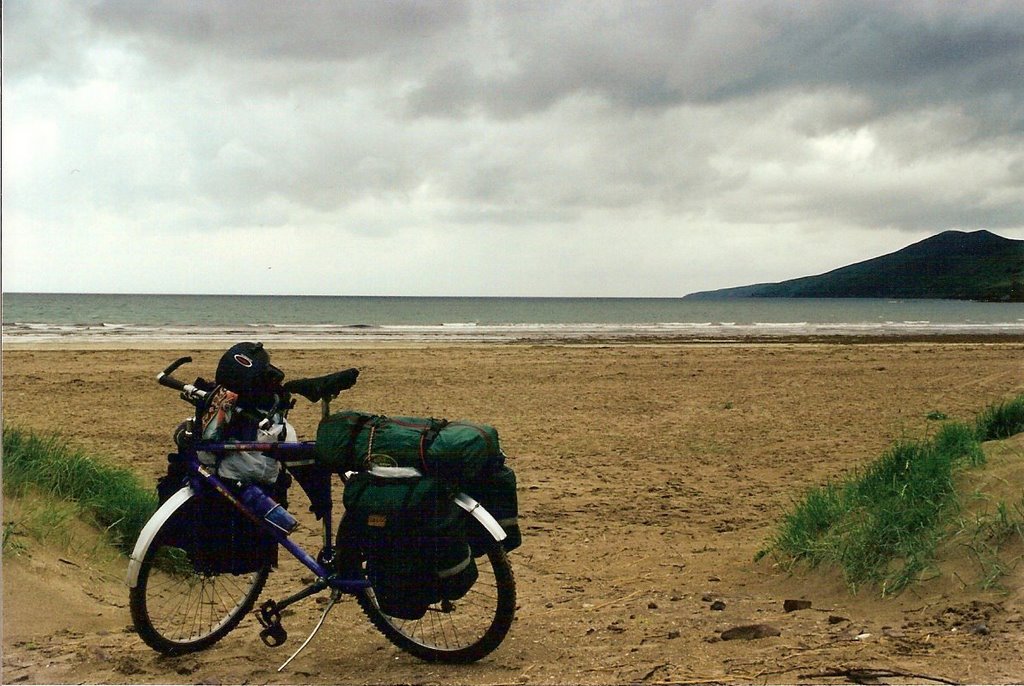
[(1001, 421), (882, 524), (112, 497), (989, 540)]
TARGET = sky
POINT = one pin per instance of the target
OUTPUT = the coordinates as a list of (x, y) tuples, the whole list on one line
[(589, 148)]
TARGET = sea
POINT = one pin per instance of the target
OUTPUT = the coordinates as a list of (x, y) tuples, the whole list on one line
[(34, 318)]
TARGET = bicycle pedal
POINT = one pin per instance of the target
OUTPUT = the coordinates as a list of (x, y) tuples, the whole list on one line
[(269, 615), (274, 636)]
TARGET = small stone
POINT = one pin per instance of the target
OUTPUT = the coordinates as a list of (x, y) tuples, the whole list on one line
[(652, 605), (707, 597), (836, 619), (128, 665), (187, 669), (673, 634), (718, 606), (750, 632), (795, 605), (979, 629)]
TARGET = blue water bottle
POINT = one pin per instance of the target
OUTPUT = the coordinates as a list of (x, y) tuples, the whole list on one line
[(268, 508)]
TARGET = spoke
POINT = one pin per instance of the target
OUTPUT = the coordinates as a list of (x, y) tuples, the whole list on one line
[(185, 606), (452, 625)]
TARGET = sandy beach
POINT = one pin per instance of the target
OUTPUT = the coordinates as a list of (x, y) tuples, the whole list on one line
[(649, 477)]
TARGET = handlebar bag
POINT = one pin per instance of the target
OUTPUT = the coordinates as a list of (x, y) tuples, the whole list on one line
[(452, 451), (413, 538), (496, 491)]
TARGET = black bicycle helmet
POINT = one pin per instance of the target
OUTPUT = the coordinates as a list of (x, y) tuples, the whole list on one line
[(246, 370)]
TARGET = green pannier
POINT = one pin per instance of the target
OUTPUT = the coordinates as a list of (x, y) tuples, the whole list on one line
[(456, 452), (413, 537), (496, 491)]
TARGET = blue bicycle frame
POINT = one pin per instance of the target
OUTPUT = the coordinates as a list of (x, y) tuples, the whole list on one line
[(201, 476)]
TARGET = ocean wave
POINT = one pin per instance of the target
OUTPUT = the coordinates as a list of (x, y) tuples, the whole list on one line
[(28, 332)]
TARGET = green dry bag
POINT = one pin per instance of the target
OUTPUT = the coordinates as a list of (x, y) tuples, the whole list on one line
[(455, 452)]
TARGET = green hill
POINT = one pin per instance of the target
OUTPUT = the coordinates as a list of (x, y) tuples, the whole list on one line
[(953, 265)]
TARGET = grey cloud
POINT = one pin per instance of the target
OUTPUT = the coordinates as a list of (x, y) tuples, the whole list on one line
[(524, 116), (318, 30), (664, 54), (44, 40), (509, 60)]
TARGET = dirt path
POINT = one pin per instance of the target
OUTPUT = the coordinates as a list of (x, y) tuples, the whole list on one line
[(650, 476)]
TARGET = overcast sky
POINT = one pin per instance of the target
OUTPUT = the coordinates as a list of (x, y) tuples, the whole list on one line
[(485, 148)]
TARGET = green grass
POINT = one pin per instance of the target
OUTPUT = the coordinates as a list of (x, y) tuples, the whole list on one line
[(1001, 421), (111, 497), (38, 517), (882, 524), (988, 536)]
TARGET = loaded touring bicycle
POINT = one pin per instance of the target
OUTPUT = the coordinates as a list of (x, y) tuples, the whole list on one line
[(429, 518)]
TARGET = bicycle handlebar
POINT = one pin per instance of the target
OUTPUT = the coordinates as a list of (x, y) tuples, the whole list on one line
[(188, 391), (164, 378), (320, 388)]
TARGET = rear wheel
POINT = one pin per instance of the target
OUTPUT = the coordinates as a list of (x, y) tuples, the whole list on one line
[(177, 609), (458, 631)]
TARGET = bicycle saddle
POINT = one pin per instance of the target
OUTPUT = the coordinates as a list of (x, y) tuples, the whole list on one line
[(318, 387)]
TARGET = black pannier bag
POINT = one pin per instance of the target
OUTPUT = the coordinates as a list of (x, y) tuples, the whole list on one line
[(497, 493), (217, 537), (171, 482), (413, 537), (226, 541)]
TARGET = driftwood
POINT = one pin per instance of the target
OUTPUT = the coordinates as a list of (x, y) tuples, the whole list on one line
[(871, 675)]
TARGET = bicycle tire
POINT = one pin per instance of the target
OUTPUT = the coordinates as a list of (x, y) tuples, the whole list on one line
[(177, 610), (458, 632)]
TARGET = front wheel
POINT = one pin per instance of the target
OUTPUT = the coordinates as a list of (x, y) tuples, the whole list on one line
[(179, 607), (459, 631)]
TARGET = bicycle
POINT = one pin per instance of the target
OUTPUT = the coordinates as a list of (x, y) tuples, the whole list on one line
[(178, 606)]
